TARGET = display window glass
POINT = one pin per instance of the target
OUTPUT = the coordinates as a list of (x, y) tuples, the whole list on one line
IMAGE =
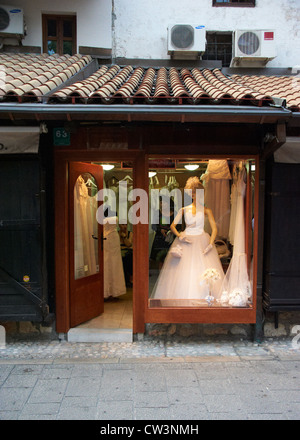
[(85, 227), (201, 229)]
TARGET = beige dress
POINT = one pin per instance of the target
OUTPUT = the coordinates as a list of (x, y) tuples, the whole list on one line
[(217, 195)]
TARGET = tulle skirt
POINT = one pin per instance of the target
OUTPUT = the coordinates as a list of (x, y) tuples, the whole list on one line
[(182, 278), (114, 280)]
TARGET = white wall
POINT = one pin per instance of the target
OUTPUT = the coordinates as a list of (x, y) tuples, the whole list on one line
[(141, 25), (93, 19)]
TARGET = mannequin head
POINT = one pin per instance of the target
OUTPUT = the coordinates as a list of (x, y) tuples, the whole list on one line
[(192, 184)]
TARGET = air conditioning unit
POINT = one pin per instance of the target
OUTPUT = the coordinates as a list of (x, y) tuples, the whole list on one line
[(186, 40), (11, 21), (253, 47)]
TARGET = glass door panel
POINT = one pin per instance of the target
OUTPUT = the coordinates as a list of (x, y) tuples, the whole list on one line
[(86, 257)]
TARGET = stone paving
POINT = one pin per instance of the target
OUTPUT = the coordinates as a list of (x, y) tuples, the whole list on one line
[(149, 347), (178, 379)]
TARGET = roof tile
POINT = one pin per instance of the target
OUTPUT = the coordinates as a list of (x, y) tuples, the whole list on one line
[(32, 76)]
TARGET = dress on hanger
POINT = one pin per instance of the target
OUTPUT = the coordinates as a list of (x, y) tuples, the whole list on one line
[(125, 186), (181, 278), (217, 194), (236, 282), (85, 225), (114, 280)]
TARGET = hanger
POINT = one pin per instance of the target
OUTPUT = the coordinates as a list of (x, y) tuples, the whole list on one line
[(127, 178), (90, 183), (112, 178)]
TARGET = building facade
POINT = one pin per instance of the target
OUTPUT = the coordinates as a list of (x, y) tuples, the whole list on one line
[(143, 101)]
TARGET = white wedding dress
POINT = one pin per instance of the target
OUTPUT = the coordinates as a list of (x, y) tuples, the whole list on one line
[(236, 288), (181, 277)]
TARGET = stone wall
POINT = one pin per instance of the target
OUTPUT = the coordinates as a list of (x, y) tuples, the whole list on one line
[(287, 322)]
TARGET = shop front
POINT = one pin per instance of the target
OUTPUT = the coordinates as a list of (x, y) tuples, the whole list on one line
[(181, 261), (124, 239)]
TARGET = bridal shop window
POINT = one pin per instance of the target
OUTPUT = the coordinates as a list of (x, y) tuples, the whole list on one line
[(201, 221)]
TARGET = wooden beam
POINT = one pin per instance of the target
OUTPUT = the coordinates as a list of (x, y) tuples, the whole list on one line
[(61, 246), (277, 142), (140, 251)]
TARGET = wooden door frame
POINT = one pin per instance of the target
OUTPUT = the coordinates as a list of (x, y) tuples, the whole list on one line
[(140, 232), (97, 302)]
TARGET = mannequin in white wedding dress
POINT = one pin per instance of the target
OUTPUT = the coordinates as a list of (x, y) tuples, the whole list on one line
[(191, 254)]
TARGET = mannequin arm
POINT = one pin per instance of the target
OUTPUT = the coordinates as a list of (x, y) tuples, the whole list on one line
[(176, 221), (213, 225)]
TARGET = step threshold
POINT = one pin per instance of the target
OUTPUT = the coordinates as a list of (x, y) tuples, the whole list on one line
[(100, 335)]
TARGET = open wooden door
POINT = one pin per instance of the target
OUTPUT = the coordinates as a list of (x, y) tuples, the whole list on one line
[(86, 250)]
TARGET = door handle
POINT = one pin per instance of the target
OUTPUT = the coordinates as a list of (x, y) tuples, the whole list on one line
[(102, 239), (95, 238)]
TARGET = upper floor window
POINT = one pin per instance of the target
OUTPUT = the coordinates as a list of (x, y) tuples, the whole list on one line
[(234, 3), (59, 34), (218, 47)]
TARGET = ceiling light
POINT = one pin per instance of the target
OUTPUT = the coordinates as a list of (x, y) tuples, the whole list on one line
[(108, 167), (191, 167), (152, 173)]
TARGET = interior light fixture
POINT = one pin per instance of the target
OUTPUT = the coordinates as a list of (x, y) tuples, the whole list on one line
[(152, 173), (191, 167), (107, 166)]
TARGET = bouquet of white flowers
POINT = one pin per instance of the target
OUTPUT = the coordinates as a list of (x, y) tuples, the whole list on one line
[(210, 276)]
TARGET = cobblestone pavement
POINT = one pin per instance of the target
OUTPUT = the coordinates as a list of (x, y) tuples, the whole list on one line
[(178, 379), (156, 348)]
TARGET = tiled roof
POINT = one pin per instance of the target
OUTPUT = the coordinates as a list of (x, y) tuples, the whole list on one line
[(181, 86), (31, 77), (285, 87), (25, 77)]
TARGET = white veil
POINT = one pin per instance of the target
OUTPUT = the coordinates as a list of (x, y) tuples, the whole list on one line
[(236, 287)]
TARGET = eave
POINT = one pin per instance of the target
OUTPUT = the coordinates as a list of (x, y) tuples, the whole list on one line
[(139, 112)]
